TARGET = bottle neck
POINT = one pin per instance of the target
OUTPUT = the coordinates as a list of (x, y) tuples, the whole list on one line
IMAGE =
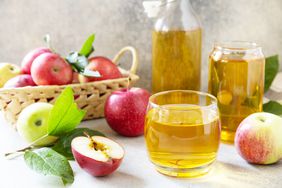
[(177, 14), (178, 6), (184, 3)]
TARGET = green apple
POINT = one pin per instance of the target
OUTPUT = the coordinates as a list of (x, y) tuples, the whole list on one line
[(8, 71), (32, 123)]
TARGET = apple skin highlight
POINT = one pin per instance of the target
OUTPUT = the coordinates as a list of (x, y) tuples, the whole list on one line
[(260, 143)]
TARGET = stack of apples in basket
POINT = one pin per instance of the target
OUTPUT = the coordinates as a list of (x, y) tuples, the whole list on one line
[(41, 66)]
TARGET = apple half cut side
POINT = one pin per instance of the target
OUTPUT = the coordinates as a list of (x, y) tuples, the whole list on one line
[(97, 155)]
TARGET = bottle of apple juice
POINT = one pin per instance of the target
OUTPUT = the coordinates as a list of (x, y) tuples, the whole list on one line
[(176, 48)]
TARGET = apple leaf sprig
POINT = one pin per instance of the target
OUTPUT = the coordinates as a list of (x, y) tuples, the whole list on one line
[(79, 60), (271, 70), (53, 160), (65, 115), (63, 120), (49, 162), (273, 107)]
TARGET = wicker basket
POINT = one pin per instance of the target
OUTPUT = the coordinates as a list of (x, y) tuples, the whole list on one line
[(88, 96)]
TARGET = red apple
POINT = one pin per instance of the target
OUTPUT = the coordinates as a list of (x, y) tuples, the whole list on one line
[(106, 68), (75, 78), (30, 57), (259, 138), (125, 111), (51, 69), (20, 81), (98, 155)]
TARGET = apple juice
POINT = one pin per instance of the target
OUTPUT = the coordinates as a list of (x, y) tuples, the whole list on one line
[(238, 84), (176, 60), (182, 137)]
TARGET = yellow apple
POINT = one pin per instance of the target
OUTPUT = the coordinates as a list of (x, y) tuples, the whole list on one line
[(8, 71)]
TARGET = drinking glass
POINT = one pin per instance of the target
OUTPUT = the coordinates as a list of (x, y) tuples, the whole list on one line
[(182, 132)]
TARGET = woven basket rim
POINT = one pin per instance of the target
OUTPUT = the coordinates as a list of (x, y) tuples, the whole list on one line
[(133, 77)]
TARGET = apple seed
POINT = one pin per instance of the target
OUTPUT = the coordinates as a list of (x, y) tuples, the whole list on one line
[(98, 146)]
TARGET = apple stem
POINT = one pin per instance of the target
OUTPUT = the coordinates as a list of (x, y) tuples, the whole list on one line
[(17, 153), (93, 143), (261, 119), (128, 82), (37, 140), (47, 40), (21, 151)]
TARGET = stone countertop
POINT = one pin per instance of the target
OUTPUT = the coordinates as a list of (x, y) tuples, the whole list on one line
[(136, 171)]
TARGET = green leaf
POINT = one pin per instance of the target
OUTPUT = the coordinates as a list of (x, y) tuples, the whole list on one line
[(63, 145), (271, 69), (87, 47), (91, 73), (273, 107), (65, 115), (48, 162), (77, 61)]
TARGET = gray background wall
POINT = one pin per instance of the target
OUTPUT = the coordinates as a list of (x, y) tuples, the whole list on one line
[(122, 22)]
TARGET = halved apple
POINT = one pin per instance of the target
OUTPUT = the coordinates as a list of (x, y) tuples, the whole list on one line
[(98, 155)]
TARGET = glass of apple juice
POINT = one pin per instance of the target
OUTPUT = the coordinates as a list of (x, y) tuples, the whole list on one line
[(182, 132), (236, 78)]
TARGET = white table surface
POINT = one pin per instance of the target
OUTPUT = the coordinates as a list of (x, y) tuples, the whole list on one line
[(136, 171)]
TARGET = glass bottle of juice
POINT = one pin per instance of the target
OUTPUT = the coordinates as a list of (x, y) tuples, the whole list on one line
[(176, 48)]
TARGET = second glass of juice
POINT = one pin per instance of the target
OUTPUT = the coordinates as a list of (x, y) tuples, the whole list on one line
[(236, 78), (182, 132)]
